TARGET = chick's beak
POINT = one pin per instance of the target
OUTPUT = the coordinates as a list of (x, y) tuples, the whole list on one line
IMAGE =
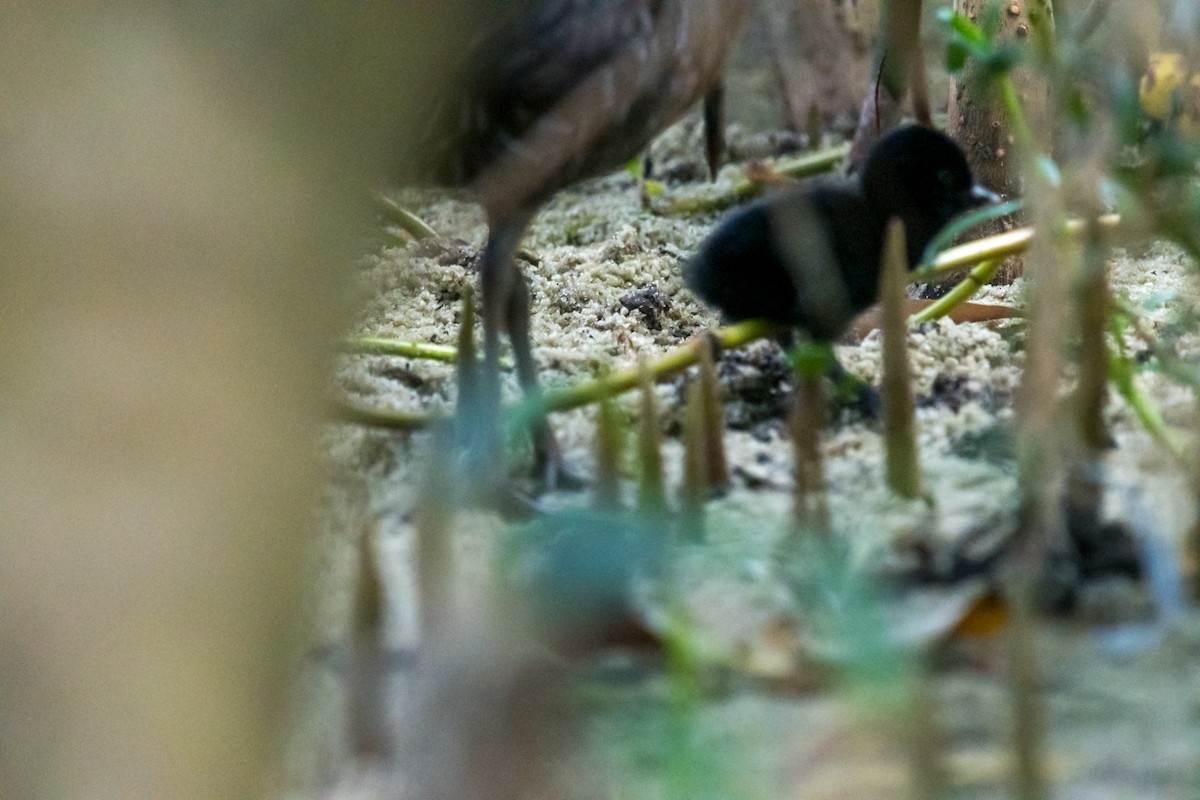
[(980, 195)]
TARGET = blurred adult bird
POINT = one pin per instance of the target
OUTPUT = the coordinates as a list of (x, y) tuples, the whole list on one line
[(559, 91), (809, 258)]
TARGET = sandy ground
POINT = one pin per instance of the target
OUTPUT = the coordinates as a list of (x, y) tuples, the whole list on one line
[(1119, 677)]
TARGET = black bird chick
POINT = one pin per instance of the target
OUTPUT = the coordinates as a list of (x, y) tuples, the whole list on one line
[(559, 91), (810, 258)]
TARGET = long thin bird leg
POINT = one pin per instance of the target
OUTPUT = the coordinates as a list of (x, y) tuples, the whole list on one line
[(479, 432), (548, 460), (714, 128)]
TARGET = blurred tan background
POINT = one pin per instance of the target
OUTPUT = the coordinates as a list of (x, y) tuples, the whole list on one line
[(180, 196)]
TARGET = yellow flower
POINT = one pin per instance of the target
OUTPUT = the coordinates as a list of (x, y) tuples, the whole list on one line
[(1157, 92)]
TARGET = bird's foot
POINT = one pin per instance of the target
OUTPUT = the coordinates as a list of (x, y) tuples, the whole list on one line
[(551, 471), (556, 475)]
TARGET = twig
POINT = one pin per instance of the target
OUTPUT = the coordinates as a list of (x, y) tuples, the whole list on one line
[(806, 422), (346, 411), (1122, 372), (963, 291), (716, 464), (674, 362), (609, 446), (748, 188), (694, 488), (651, 492), (382, 346), (1092, 308), (404, 348), (999, 246), (1028, 710), (903, 468), (407, 221)]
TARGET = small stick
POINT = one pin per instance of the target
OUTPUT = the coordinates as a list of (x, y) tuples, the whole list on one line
[(467, 368), (963, 291), (729, 337), (813, 124), (382, 346), (368, 610), (434, 556), (367, 719), (407, 221), (750, 187), (609, 444), (903, 466), (651, 493), (695, 467), (716, 464), (1028, 715), (1092, 304), (1041, 474), (1000, 246), (806, 422), (403, 348), (1191, 543), (582, 394), (926, 736)]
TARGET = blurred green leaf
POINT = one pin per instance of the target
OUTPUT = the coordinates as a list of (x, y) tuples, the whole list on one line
[(812, 358), (956, 55), (1000, 61), (963, 27)]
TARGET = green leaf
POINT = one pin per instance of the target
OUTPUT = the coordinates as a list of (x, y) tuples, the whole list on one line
[(956, 55), (963, 27), (655, 188), (812, 358), (1001, 60)]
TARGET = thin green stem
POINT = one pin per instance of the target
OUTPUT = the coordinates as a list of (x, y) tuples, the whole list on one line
[(674, 362), (382, 346), (403, 348), (999, 246), (407, 221), (963, 291), (1144, 408), (1018, 125), (749, 187)]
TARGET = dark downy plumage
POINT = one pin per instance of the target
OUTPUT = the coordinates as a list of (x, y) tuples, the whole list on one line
[(559, 91), (810, 258)]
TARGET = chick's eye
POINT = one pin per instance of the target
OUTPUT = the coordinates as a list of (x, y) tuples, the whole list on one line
[(946, 179)]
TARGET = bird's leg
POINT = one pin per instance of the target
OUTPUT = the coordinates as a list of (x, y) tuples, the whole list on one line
[(478, 419), (714, 128), (548, 461)]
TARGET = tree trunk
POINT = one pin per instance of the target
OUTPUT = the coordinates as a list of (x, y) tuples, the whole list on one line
[(820, 54), (977, 122)]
